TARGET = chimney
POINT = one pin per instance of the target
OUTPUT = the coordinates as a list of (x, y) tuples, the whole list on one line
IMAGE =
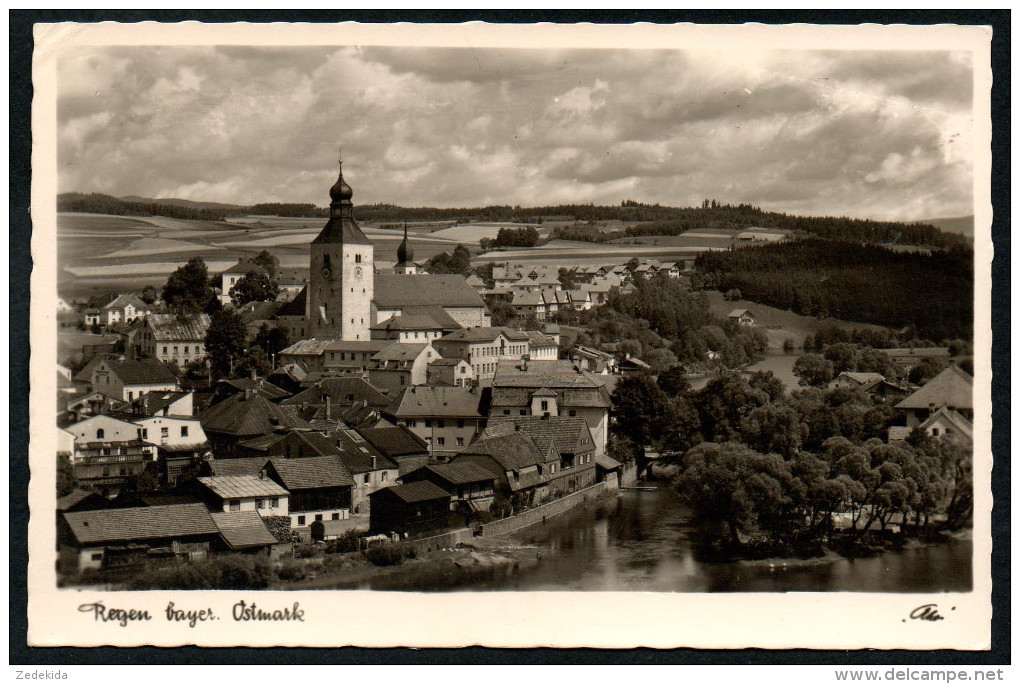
[(254, 375), (262, 474), (249, 393), (328, 414), (373, 461)]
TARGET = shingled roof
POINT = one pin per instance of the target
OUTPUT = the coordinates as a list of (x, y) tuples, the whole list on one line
[(143, 372), (243, 529), (242, 415), (242, 486), (482, 334), (562, 434), (512, 451), (952, 387), (393, 291), (360, 456), (226, 467), (342, 392), (146, 522), (394, 440), (426, 401), (315, 472), (456, 473), (171, 327), (121, 301), (408, 322), (413, 492)]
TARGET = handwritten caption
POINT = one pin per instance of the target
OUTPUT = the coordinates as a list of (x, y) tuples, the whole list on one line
[(929, 612), (242, 611)]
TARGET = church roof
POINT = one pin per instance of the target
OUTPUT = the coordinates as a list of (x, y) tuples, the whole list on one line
[(394, 291), (341, 231)]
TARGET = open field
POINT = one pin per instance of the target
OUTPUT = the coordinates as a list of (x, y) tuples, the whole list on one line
[(780, 325)]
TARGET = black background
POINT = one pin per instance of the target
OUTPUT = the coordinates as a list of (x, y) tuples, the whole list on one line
[(20, 269)]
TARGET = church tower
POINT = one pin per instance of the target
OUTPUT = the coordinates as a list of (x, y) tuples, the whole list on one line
[(342, 273), (405, 257)]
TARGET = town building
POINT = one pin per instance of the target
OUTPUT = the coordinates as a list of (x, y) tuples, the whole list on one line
[(330, 397), (230, 277), (243, 532), (568, 437), (536, 388), (482, 348), (398, 444), (521, 468), (541, 347), (125, 539), (162, 403), (472, 488), (952, 388), (414, 508), (123, 309), (408, 328), (232, 493), (173, 337), (180, 443), (401, 365), (370, 469), (109, 453), (853, 380), (446, 418), (125, 379), (319, 488), (242, 417), (450, 372)]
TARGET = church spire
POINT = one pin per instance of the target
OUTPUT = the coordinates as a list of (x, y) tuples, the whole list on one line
[(340, 195), (404, 251)]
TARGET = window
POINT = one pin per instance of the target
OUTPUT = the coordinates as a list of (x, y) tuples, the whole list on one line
[(934, 432), (235, 505), (506, 412), (318, 517), (368, 478), (336, 516), (259, 504), (460, 441), (164, 432), (301, 521), (131, 396), (357, 258), (274, 503), (460, 423), (184, 431), (428, 422), (164, 350), (524, 412), (442, 441), (185, 349), (410, 422), (545, 405), (573, 413), (441, 423), (100, 433), (552, 468), (97, 556), (428, 440), (384, 474), (175, 349)]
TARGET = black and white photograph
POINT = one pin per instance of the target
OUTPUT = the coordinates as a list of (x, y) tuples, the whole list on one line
[(530, 320)]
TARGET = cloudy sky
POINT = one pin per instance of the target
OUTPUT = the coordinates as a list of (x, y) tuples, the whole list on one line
[(869, 134)]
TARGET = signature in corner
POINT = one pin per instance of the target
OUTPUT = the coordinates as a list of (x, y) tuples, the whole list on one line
[(928, 612)]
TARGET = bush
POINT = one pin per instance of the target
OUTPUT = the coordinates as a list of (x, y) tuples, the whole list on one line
[(229, 571), (307, 551), (292, 571), (389, 554), (345, 543)]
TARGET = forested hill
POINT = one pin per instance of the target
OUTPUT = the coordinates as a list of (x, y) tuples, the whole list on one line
[(652, 219), (933, 292)]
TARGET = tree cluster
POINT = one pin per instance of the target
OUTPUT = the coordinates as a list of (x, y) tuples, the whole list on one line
[(459, 262)]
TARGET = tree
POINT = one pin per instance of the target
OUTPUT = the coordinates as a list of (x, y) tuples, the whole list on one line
[(255, 360), (633, 263), (673, 381), (187, 289), (271, 340), (773, 429), (66, 481), (225, 341), (722, 405), (270, 263), (149, 294), (660, 358), (568, 278), (502, 312), (842, 355), (255, 286), (733, 295), (813, 370), (924, 371)]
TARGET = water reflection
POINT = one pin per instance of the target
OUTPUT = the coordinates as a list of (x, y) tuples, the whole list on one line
[(641, 541)]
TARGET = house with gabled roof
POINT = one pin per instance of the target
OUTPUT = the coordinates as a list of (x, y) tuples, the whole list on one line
[(172, 337), (853, 380), (242, 417), (319, 487), (446, 418), (952, 388), (243, 532), (471, 487), (401, 365), (450, 372), (332, 396), (551, 388), (948, 423), (398, 444), (569, 437), (742, 317), (163, 403), (369, 467), (123, 309), (482, 348), (521, 467), (233, 493), (394, 293), (127, 538), (127, 379), (415, 509)]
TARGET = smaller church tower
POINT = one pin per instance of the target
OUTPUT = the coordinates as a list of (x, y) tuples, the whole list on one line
[(342, 273), (405, 257)]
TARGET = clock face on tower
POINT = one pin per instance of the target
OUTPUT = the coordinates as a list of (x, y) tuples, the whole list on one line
[(357, 272), (326, 273)]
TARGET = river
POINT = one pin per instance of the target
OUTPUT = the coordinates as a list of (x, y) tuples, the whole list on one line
[(640, 541)]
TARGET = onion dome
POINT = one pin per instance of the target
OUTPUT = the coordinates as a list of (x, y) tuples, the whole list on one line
[(404, 251)]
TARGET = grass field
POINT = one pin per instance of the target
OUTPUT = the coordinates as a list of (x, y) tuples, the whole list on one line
[(780, 325)]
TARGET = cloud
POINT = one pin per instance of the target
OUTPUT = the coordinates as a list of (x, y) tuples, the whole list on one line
[(871, 133)]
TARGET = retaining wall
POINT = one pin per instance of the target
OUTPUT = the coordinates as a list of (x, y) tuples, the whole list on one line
[(442, 541), (537, 515)]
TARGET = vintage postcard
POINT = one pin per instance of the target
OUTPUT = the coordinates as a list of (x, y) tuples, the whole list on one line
[(511, 335)]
